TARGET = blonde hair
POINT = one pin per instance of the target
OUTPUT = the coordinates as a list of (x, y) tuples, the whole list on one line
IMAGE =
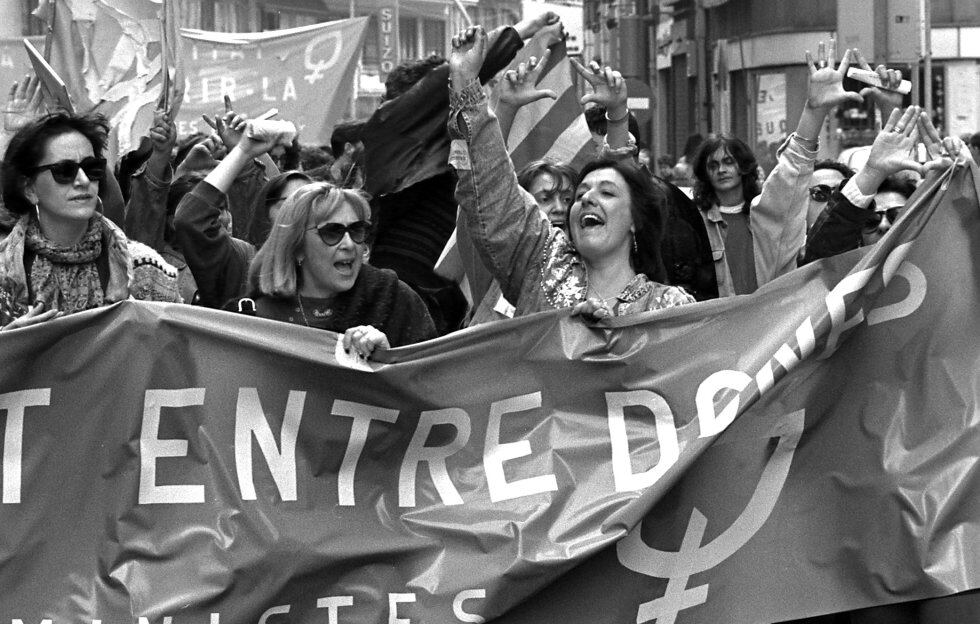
[(273, 271)]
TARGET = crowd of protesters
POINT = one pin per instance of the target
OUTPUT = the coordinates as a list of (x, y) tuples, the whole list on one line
[(249, 220)]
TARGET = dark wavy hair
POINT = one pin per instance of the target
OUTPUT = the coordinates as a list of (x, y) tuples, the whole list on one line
[(260, 223), (748, 166), (26, 149), (406, 75), (648, 207)]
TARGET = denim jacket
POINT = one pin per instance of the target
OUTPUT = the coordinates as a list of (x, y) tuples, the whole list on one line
[(777, 219), (536, 264)]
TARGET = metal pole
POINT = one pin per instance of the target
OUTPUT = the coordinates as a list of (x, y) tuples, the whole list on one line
[(926, 8)]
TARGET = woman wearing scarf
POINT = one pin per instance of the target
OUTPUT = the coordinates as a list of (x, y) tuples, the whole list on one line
[(62, 255)]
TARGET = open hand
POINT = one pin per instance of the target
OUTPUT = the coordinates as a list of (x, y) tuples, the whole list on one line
[(24, 104), (229, 126), (518, 86), (33, 316), (894, 147), (887, 99), (608, 87), (826, 88)]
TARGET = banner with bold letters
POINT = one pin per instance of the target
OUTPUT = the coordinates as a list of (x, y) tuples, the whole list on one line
[(806, 449)]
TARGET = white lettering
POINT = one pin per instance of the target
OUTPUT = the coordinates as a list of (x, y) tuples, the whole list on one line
[(393, 601), (709, 421), (624, 477), (332, 604), (280, 610), (917, 294), (838, 308), (362, 415), (228, 87), (152, 448), (250, 420), (14, 403), (289, 91), (495, 453), (265, 90), (435, 456), (462, 597)]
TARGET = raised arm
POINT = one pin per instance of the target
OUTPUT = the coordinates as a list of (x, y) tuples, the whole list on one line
[(608, 91), (778, 216), (146, 212), (504, 222)]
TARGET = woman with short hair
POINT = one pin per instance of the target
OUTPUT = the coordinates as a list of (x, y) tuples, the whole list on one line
[(311, 271), (62, 256)]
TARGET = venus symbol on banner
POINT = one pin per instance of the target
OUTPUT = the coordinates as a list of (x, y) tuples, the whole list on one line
[(317, 68), (693, 558)]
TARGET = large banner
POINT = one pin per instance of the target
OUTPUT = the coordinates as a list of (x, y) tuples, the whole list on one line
[(806, 449)]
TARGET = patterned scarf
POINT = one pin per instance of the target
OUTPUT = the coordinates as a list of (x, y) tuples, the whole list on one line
[(65, 277)]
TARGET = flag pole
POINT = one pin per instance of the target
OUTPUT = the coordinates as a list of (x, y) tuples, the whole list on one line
[(49, 36), (466, 16)]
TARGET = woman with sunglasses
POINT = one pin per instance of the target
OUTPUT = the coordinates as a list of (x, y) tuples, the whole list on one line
[(63, 256), (865, 208), (311, 271)]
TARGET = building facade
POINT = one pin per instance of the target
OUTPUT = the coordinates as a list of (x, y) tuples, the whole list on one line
[(399, 30), (737, 66)]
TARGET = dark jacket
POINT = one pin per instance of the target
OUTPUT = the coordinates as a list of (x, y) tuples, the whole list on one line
[(378, 298)]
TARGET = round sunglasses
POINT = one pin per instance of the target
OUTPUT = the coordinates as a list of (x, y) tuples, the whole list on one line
[(875, 218), (333, 233), (65, 171)]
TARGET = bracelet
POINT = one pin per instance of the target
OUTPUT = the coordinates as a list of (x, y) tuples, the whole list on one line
[(623, 118)]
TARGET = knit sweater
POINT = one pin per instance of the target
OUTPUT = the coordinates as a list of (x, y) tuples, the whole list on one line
[(378, 298)]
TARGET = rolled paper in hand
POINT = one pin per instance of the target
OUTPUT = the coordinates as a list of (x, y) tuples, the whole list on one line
[(276, 130)]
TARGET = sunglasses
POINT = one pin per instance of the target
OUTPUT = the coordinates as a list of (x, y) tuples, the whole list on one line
[(65, 171), (333, 233), (820, 193), (875, 219)]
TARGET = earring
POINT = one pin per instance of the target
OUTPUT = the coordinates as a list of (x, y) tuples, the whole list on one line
[(299, 262), (636, 249)]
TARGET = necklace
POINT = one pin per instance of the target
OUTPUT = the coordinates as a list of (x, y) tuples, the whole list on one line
[(302, 310)]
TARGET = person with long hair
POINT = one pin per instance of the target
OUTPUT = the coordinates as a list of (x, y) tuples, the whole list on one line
[(62, 256), (756, 234), (311, 271), (609, 261)]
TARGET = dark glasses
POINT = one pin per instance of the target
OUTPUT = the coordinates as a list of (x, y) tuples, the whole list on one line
[(65, 171), (875, 219), (333, 233), (820, 193)]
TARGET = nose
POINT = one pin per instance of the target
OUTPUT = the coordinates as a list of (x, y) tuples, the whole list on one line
[(81, 179), (555, 207), (884, 225), (346, 241)]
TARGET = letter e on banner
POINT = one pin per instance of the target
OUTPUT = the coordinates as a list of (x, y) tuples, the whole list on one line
[(495, 453), (152, 447)]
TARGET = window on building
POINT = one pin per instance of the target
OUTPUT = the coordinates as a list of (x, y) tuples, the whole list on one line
[(408, 36), (433, 37)]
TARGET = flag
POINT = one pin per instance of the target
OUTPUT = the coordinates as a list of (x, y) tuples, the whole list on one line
[(553, 129), (118, 57), (805, 449)]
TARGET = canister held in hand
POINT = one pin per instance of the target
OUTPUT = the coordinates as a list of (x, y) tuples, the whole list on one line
[(872, 78), (277, 130)]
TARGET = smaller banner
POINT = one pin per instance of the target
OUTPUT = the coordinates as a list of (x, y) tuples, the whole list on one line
[(307, 73)]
